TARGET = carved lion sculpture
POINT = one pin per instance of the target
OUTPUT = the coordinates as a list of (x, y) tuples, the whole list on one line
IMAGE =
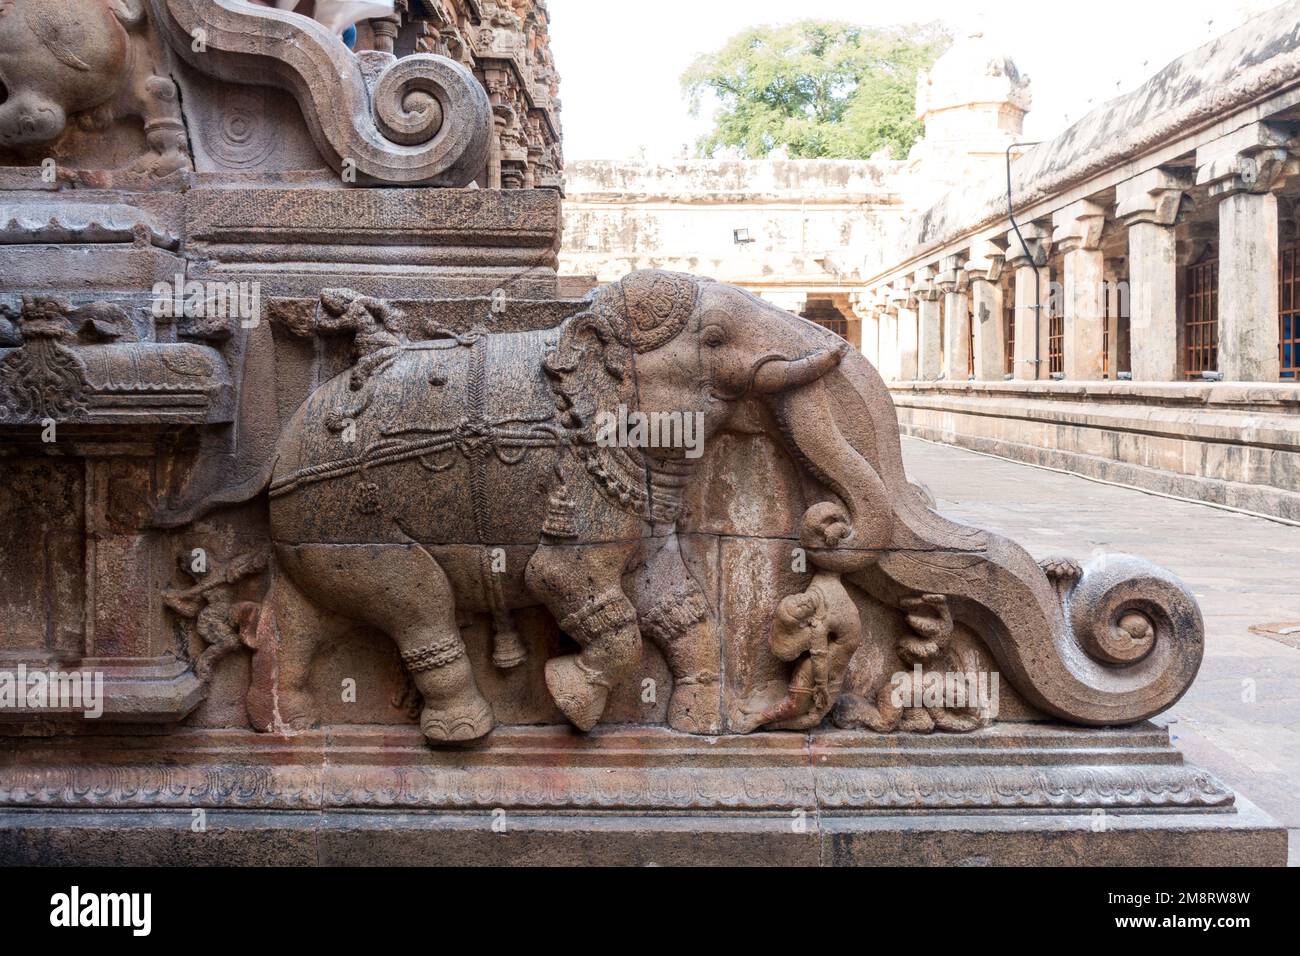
[(90, 59), (464, 473)]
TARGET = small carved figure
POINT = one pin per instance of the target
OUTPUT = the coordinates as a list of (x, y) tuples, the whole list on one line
[(820, 628), (912, 700), (222, 623)]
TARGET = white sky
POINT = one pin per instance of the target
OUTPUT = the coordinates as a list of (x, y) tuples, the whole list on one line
[(620, 60)]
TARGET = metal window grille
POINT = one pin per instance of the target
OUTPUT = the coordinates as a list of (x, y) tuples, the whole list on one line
[(1201, 325), (1009, 317), (1289, 310), (1055, 341)]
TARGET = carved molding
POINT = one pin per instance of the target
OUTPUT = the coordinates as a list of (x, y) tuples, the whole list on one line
[(68, 222), (79, 364), (537, 768)]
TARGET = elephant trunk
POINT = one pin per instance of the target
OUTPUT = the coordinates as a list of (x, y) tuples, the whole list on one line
[(808, 421), (1117, 645)]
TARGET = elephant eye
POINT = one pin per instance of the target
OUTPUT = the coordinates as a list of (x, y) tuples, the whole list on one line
[(714, 336)]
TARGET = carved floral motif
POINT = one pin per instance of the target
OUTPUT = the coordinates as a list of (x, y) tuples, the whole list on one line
[(44, 379)]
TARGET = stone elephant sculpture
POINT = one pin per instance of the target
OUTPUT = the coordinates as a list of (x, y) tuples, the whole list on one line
[(90, 59), (467, 473)]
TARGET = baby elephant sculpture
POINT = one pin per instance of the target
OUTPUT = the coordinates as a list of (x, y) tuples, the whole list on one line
[(91, 59), (819, 629), (465, 473)]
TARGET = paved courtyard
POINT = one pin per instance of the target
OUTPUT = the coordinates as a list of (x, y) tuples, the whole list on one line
[(1241, 718)]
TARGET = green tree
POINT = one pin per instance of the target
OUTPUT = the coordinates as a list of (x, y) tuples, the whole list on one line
[(822, 89)]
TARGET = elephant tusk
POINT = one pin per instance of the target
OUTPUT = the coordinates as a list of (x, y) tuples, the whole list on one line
[(778, 375)]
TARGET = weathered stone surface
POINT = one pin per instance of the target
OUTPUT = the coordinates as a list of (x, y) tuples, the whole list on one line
[(359, 516), (498, 805), (1011, 766), (431, 839)]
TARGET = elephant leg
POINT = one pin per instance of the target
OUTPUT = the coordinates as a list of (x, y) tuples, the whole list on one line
[(159, 108), (289, 629), (422, 621), (404, 592), (675, 614), (581, 586)]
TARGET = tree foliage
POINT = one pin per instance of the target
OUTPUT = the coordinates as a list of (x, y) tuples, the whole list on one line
[(822, 89)]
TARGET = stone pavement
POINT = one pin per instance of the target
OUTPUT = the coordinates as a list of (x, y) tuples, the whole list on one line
[(1241, 717)]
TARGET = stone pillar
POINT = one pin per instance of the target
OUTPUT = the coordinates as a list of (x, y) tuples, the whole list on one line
[(1077, 234), (1115, 296), (907, 332), (983, 272), (956, 313), (1148, 205), (1241, 170), (1031, 323), (386, 30), (889, 364), (1248, 249), (929, 325), (864, 307), (871, 337)]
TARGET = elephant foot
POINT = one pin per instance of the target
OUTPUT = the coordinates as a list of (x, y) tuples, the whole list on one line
[(457, 722), (854, 713), (508, 650), (954, 723), (158, 165), (695, 709), (806, 721), (295, 712), (576, 691), (916, 720)]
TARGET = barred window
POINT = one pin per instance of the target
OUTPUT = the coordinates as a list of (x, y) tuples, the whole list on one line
[(825, 314), (1201, 323), (1289, 310)]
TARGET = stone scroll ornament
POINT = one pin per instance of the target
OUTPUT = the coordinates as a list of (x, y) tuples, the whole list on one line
[(419, 120), (399, 483)]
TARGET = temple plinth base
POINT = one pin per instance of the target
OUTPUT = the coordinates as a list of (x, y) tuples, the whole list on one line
[(1012, 794)]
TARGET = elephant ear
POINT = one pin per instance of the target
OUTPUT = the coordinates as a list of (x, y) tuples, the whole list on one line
[(585, 336), (59, 30), (588, 368)]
